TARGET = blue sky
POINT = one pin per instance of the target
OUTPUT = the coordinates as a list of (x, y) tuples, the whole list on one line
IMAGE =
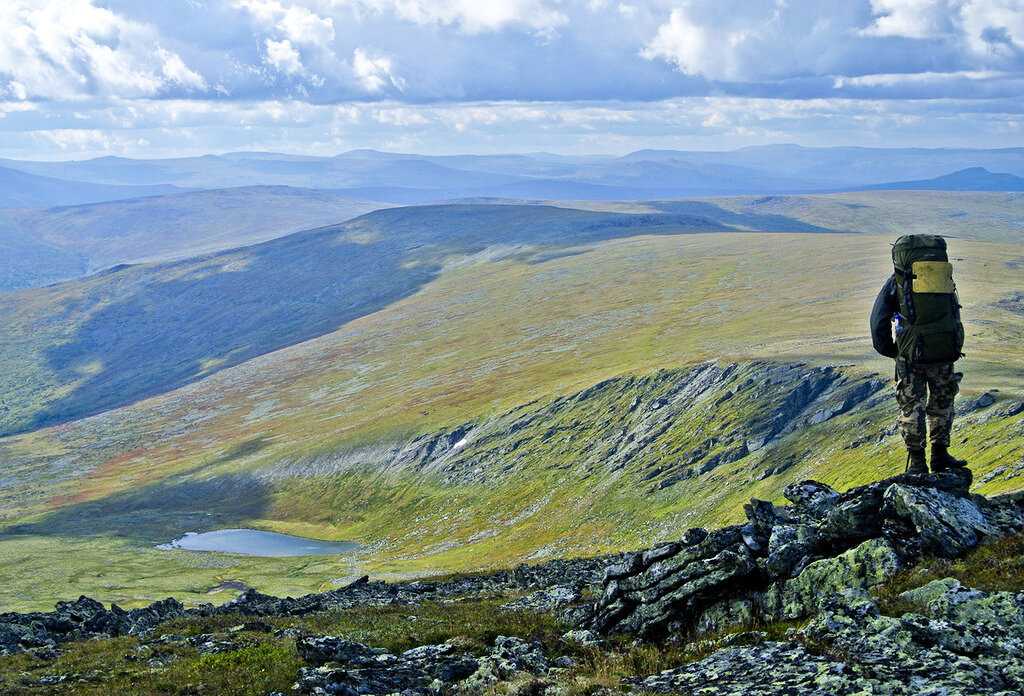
[(158, 78)]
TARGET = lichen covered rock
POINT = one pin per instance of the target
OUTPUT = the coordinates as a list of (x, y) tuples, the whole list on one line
[(966, 643), (785, 560)]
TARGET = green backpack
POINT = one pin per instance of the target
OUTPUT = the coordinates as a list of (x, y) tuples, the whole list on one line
[(928, 329)]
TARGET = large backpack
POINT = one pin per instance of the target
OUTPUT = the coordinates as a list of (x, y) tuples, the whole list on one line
[(928, 329)]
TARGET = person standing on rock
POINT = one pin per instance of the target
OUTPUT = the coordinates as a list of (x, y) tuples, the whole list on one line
[(920, 299)]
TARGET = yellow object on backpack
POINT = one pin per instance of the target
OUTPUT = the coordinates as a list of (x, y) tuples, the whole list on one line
[(932, 277)]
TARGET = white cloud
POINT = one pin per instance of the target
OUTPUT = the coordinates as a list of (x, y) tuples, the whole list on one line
[(374, 74), (693, 48), (283, 57), (751, 40), (915, 19), (71, 48), (180, 127), (994, 28), (926, 78), (754, 40), (471, 16), (297, 23), (175, 70)]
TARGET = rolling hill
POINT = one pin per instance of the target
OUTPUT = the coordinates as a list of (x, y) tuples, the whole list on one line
[(124, 338), (20, 188), (71, 241)]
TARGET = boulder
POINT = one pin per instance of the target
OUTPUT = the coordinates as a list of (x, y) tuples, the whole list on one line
[(947, 525), (345, 667), (864, 566), (544, 600)]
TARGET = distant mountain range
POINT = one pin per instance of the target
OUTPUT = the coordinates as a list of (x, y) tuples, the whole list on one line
[(411, 179), (970, 179), (18, 188)]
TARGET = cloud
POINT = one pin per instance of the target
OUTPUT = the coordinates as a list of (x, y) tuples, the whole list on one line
[(994, 29), (283, 57), (753, 40), (470, 16), (297, 23), (912, 19), (178, 127), (71, 48), (374, 74), (756, 41)]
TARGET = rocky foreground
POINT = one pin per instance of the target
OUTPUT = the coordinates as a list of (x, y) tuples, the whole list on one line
[(812, 564)]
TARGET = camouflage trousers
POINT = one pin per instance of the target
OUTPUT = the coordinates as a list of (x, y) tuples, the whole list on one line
[(925, 394)]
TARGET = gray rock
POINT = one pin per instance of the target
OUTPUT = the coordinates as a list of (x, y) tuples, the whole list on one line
[(509, 657), (969, 643), (544, 600), (344, 667), (585, 638), (947, 525), (864, 566), (816, 498), (785, 560)]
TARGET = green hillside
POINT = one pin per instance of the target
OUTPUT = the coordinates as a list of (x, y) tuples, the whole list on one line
[(83, 347), (502, 347)]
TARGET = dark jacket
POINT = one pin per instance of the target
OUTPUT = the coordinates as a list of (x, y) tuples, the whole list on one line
[(886, 307)]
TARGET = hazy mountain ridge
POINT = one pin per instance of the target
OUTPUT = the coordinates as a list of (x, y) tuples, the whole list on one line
[(970, 179), (21, 188), (408, 178), (180, 225)]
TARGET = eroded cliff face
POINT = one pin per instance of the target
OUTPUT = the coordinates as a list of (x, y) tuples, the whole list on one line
[(668, 426)]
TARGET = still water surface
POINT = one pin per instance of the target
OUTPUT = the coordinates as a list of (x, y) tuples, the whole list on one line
[(251, 542)]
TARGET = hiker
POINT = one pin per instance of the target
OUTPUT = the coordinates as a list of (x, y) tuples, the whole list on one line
[(920, 299)]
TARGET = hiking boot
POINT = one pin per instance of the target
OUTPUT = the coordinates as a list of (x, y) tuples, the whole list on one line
[(918, 464), (943, 460)]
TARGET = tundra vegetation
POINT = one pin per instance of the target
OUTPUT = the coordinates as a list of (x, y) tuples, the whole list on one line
[(528, 382)]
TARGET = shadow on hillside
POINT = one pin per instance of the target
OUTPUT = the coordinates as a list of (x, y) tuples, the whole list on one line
[(158, 513), (165, 326), (161, 327)]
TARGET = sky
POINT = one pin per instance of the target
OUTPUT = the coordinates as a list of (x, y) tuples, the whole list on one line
[(163, 78)]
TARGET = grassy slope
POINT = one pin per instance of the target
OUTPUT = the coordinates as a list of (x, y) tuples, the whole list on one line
[(86, 346), (488, 336)]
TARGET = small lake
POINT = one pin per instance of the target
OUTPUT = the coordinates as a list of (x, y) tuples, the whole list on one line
[(251, 542)]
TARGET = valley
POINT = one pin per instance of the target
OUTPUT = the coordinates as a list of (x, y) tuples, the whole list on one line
[(322, 437), (561, 454)]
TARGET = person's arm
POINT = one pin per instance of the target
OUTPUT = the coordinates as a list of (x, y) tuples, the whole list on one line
[(881, 319)]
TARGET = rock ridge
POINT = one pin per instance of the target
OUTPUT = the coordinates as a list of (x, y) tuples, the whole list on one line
[(785, 560), (83, 618)]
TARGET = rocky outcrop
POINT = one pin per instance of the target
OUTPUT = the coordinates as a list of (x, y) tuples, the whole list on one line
[(786, 560), (555, 583), (960, 642), (667, 427)]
